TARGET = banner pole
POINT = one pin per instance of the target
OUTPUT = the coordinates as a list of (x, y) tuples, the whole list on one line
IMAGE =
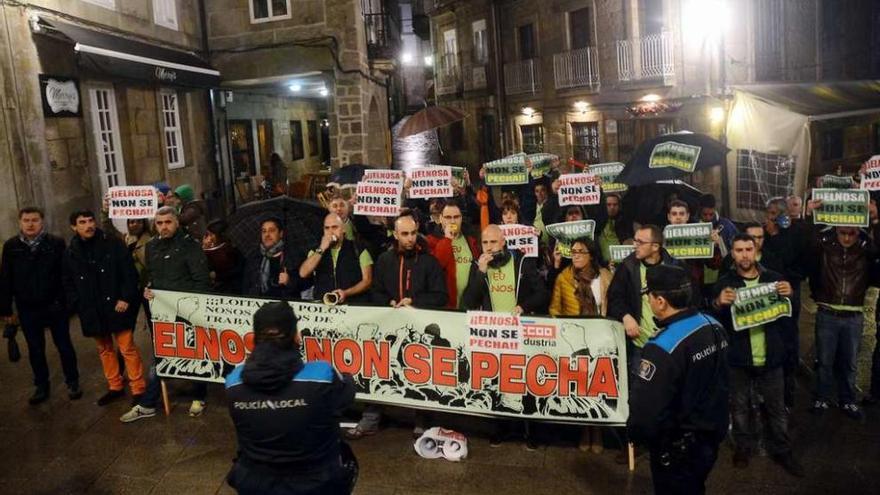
[(165, 401), (630, 451)]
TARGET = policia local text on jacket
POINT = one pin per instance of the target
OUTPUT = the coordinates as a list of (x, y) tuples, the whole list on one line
[(286, 415)]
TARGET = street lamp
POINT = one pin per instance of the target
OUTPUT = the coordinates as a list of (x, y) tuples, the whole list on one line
[(581, 106), (716, 115), (296, 88), (706, 20), (528, 112), (406, 58), (429, 60)]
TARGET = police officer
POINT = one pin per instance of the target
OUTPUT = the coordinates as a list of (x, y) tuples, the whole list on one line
[(679, 398), (286, 414)]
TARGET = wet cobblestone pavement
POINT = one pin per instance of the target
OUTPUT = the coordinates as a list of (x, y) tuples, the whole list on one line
[(77, 447)]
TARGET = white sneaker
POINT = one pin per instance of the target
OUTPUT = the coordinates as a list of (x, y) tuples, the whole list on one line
[(138, 412), (196, 408)]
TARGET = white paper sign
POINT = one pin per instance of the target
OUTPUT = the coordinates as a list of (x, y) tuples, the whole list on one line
[(871, 177), (521, 237), (579, 189), (379, 199), (382, 175), (132, 202), (431, 182), (494, 332)]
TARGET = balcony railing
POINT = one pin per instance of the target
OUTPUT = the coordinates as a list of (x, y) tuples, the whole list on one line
[(577, 68), (446, 81), (475, 78), (383, 35), (649, 57), (522, 77)]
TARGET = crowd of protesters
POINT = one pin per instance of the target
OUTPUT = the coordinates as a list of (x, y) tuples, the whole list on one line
[(451, 254)]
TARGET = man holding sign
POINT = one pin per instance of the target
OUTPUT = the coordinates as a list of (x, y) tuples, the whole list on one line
[(839, 282), (752, 303)]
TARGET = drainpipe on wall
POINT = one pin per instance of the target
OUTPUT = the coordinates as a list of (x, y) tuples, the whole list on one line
[(220, 192), (499, 80)]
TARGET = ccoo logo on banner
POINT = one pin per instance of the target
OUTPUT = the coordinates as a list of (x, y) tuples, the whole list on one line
[(491, 364)]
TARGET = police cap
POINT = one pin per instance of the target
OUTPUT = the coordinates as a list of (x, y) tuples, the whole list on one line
[(666, 278)]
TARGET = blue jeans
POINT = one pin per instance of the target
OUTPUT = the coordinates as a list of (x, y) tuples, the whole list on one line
[(837, 347)]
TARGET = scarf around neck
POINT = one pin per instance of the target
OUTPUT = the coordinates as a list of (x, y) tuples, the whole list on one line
[(34, 243), (265, 264)]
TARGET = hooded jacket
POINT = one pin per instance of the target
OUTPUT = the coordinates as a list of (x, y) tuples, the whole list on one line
[(286, 413), (98, 272), (415, 274), (531, 292)]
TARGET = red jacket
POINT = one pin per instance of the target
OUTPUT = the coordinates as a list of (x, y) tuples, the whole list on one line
[(442, 250)]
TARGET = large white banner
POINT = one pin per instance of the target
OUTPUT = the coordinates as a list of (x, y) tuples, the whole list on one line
[(566, 370)]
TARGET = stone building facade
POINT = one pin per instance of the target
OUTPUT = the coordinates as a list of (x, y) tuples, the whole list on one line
[(591, 79), (120, 135), (339, 51)]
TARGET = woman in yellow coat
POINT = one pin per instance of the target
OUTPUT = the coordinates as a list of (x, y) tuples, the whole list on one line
[(580, 290)]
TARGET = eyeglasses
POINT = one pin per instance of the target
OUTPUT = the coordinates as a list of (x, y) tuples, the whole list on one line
[(579, 252), (638, 242)]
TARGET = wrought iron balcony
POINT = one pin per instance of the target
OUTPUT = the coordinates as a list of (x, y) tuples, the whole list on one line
[(382, 29), (446, 81), (475, 78), (645, 58), (522, 77), (577, 68)]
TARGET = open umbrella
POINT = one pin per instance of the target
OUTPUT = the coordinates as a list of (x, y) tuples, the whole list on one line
[(672, 156), (303, 223), (428, 119), (348, 175), (647, 203)]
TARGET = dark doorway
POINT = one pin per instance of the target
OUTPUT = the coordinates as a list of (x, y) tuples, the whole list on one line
[(241, 138)]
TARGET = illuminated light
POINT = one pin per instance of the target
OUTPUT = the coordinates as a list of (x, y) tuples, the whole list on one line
[(716, 115), (528, 111), (406, 58), (296, 88), (429, 60), (651, 98), (705, 19), (323, 92), (581, 106)]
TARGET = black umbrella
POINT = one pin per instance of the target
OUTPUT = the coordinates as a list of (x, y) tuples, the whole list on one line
[(671, 161), (303, 223), (348, 175), (646, 204)]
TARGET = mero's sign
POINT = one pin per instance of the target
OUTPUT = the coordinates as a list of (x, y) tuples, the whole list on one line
[(689, 241), (511, 170), (675, 155), (132, 202), (567, 232), (842, 207), (490, 364), (758, 305)]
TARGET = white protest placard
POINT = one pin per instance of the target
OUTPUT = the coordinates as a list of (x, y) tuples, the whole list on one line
[(132, 202), (381, 199), (871, 177), (382, 175), (494, 332), (521, 237), (431, 182), (579, 189)]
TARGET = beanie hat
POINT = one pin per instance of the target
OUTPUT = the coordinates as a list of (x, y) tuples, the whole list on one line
[(185, 193)]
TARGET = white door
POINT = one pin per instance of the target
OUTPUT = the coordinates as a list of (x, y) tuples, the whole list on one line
[(105, 128)]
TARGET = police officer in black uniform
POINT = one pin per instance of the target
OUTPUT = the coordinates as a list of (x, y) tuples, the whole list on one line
[(679, 399), (286, 415)]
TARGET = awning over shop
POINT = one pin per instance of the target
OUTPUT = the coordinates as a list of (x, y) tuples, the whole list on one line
[(121, 57), (821, 101)]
